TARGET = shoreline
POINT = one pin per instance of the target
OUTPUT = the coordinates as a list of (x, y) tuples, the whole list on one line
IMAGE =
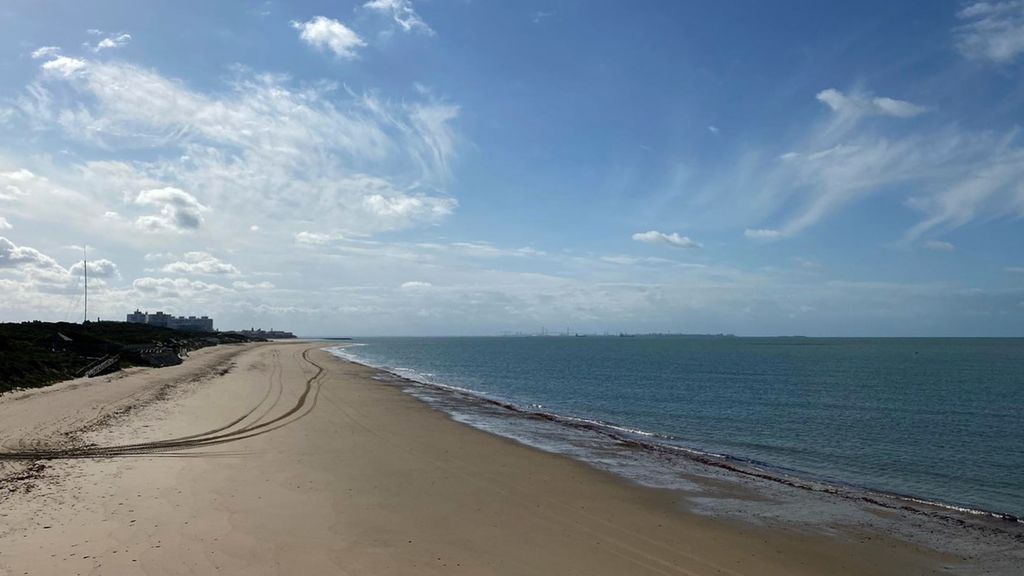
[(361, 478), (945, 524), (654, 442)]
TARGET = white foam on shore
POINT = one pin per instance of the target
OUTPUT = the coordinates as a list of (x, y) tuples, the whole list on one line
[(589, 433)]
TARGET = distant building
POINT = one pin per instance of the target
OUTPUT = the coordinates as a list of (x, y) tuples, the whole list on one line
[(200, 324), (261, 333)]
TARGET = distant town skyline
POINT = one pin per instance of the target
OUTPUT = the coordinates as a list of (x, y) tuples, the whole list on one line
[(408, 167)]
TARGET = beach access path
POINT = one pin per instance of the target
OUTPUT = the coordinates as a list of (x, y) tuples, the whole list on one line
[(280, 458)]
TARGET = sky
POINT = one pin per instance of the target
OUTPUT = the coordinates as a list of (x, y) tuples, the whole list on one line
[(473, 167)]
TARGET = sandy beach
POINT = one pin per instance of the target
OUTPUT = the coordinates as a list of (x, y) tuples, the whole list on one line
[(282, 459)]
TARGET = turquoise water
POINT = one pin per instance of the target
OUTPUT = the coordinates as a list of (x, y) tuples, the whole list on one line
[(936, 419)]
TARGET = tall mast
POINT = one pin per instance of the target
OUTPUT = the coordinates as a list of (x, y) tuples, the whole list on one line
[(85, 271)]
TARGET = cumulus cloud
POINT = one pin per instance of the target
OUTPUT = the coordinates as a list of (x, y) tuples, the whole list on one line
[(939, 246), (402, 12), (201, 263), (99, 268), (4, 224), (179, 210), (45, 52), (176, 287), (20, 175), (991, 30), (858, 104), (325, 33), (112, 42), (416, 285), (14, 256), (12, 183), (392, 208), (673, 239), (64, 66)]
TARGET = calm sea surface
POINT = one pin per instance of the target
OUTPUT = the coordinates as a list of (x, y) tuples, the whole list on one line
[(937, 419)]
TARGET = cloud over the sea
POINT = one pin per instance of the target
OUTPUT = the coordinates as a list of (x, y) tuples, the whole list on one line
[(670, 239)]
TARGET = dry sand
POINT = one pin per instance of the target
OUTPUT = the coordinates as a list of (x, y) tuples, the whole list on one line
[(354, 478)]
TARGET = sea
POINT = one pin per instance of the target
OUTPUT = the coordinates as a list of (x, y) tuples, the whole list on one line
[(930, 420)]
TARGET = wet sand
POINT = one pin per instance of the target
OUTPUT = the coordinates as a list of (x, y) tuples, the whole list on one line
[(280, 458)]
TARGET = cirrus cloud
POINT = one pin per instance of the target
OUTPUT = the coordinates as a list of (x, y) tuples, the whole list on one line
[(939, 246), (403, 14), (991, 30), (365, 164), (860, 104)]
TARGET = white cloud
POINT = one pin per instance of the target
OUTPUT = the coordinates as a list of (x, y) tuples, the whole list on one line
[(322, 32), (416, 285), (858, 104), (263, 150), (808, 263), (673, 239), (200, 263), (950, 175), (314, 238), (45, 52), (179, 210), (21, 175), (540, 15), (991, 30), (243, 285), (939, 246), (392, 209), (763, 234), (176, 287), (713, 129), (64, 66), (402, 12), (99, 268), (431, 125), (112, 42), (14, 256), (4, 224)]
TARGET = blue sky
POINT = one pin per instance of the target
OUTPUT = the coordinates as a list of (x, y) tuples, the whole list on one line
[(475, 167)]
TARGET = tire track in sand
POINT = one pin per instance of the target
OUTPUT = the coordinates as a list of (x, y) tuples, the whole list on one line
[(302, 407)]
